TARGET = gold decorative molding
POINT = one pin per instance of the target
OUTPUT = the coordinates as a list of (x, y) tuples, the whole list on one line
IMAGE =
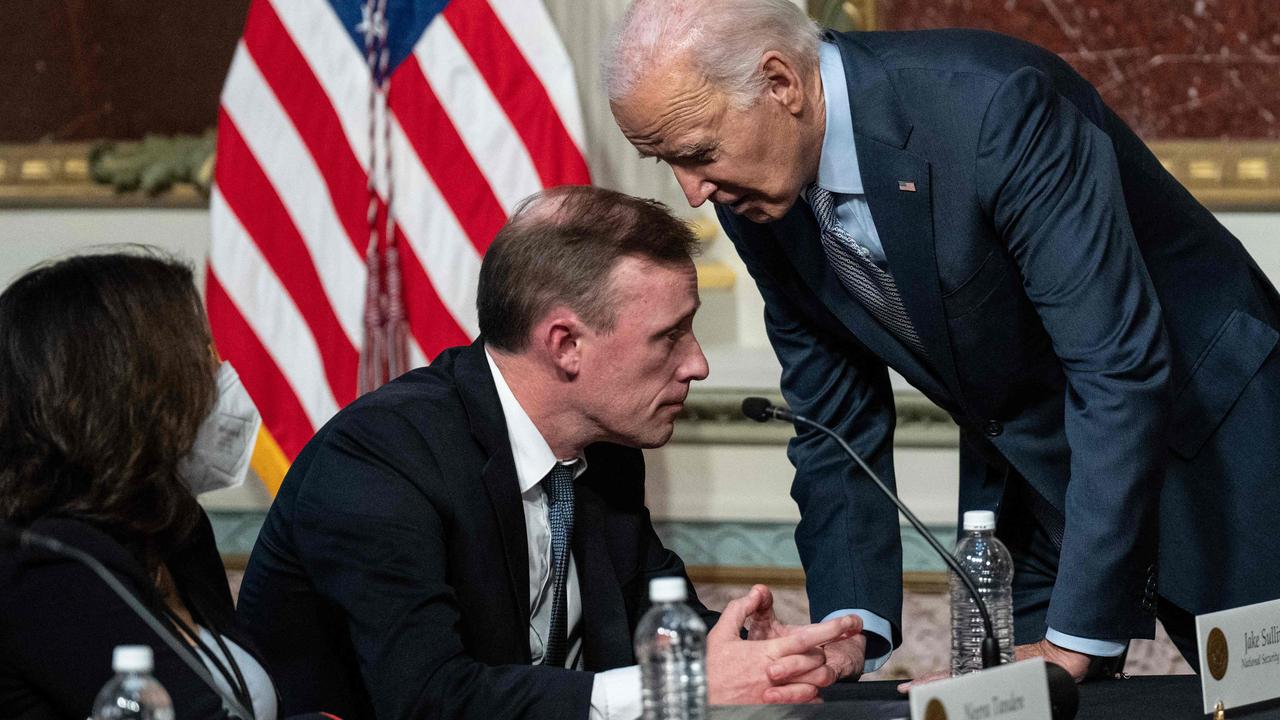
[(1225, 175), (918, 581), (712, 274), (58, 175), (715, 275), (156, 163), (714, 416), (705, 230), (844, 15)]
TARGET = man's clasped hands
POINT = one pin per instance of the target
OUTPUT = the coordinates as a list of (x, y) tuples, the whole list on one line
[(777, 663)]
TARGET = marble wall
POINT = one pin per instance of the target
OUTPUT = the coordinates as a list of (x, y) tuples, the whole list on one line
[(1173, 69)]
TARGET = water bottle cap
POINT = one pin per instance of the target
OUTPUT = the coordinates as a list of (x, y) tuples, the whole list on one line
[(131, 658), (667, 589), (979, 520)]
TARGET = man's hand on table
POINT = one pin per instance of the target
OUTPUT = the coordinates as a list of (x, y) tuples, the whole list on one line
[(1076, 664), (777, 663)]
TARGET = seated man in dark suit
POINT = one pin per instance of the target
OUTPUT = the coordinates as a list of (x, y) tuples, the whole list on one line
[(471, 540)]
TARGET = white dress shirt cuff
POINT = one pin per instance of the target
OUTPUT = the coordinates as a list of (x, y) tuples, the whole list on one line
[(615, 695), (879, 637), (1088, 646)]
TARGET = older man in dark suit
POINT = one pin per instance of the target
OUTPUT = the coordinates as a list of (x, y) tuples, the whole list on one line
[(962, 207), (471, 540)]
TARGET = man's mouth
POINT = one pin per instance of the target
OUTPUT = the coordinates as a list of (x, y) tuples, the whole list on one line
[(676, 402), (737, 205)]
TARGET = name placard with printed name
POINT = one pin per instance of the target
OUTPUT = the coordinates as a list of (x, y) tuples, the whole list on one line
[(1239, 655), (1017, 691)]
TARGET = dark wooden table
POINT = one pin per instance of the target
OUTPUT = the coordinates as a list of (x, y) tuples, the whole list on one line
[(1169, 697)]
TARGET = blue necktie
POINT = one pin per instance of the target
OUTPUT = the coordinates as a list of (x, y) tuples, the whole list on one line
[(559, 487), (868, 283)]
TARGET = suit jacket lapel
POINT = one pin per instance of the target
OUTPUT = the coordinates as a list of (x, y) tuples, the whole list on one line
[(484, 411), (903, 217), (800, 236), (606, 635), (904, 221)]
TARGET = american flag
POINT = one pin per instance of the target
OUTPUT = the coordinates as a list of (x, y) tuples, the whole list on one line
[(453, 110)]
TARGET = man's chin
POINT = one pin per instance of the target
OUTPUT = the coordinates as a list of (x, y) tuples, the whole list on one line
[(655, 439), (759, 215), (766, 213)]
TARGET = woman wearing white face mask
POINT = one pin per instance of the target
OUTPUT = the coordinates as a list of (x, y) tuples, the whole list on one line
[(111, 407)]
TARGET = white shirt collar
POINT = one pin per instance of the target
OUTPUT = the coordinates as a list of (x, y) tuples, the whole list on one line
[(838, 165), (532, 454)]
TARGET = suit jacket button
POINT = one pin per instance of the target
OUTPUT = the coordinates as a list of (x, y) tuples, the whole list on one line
[(992, 428)]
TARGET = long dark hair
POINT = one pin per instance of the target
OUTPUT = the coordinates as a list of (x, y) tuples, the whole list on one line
[(106, 373)]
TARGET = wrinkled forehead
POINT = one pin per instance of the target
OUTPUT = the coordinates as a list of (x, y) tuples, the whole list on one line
[(670, 107), (654, 294)]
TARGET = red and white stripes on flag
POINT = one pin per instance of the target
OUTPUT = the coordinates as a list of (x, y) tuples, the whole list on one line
[(483, 112)]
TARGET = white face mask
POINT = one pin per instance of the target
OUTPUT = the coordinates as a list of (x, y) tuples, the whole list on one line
[(220, 456)]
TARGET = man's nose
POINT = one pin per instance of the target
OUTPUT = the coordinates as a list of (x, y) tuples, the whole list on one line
[(695, 366), (696, 188)]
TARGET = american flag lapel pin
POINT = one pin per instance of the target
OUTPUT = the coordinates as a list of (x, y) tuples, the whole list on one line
[(907, 185)]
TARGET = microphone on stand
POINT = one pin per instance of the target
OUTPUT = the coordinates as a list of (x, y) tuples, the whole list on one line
[(1064, 696), (10, 535), (761, 410)]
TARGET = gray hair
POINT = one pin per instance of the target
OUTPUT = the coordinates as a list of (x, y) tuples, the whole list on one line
[(724, 39)]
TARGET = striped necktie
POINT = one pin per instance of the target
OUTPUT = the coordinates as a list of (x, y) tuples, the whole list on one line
[(559, 487), (867, 282)]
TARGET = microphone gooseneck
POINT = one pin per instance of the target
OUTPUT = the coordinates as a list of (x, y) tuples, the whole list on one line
[(27, 539), (761, 410)]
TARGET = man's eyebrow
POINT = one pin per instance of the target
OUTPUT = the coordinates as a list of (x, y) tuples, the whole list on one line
[(697, 149), (686, 319), (687, 151)]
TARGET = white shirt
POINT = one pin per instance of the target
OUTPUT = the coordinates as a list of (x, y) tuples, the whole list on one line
[(261, 690), (838, 170), (615, 695)]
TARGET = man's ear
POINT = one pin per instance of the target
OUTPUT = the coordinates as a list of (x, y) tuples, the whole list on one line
[(560, 335), (783, 84)]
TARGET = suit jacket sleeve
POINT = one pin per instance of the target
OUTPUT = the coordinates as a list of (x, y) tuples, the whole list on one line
[(374, 543), (1050, 181), (848, 534), (617, 500)]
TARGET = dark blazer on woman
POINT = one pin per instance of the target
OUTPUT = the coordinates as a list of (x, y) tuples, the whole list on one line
[(59, 623)]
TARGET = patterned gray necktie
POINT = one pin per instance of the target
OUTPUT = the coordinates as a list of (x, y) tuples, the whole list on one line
[(867, 282), (559, 487)]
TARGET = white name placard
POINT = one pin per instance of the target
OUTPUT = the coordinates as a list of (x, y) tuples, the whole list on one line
[(1239, 655), (1018, 691)]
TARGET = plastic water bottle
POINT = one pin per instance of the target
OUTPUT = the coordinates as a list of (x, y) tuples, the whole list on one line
[(132, 694), (989, 564), (671, 645)]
